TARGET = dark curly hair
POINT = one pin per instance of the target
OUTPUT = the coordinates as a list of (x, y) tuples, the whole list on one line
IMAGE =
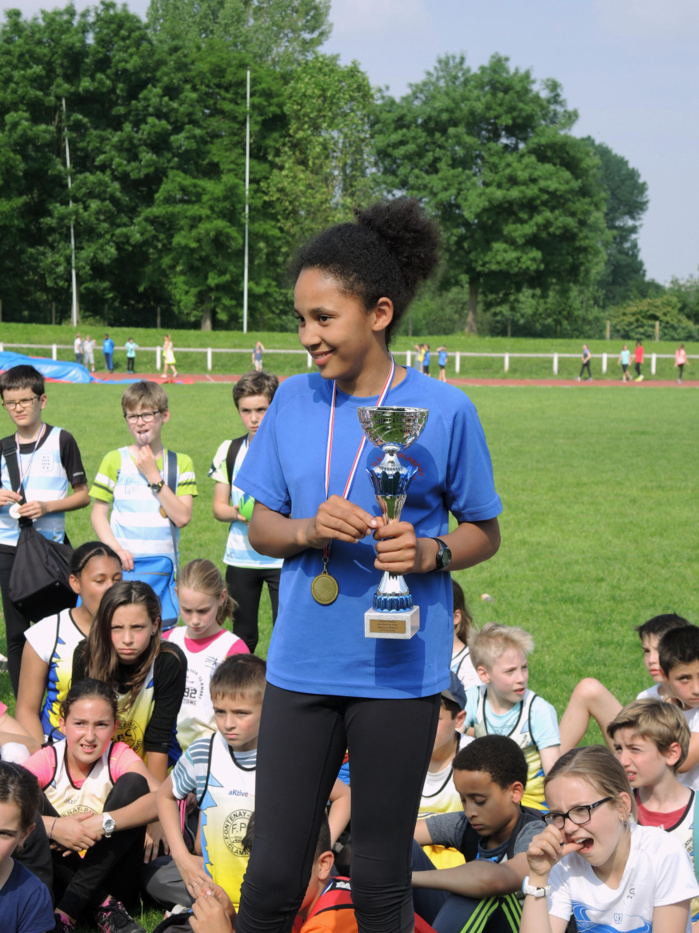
[(497, 755), (387, 253)]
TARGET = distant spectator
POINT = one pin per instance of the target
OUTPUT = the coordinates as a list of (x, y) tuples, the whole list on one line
[(89, 352), (108, 351), (625, 362), (680, 361), (78, 348), (131, 348), (426, 360), (586, 357), (257, 356), (442, 359), (168, 356), (638, 361)]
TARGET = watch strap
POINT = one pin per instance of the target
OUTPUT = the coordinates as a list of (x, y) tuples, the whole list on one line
[(535, 890), (442, 546)]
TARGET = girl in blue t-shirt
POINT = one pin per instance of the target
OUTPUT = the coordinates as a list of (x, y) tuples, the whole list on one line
[(330, 688), (25, 902)]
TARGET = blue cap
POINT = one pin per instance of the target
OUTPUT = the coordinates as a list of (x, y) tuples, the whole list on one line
[(456, 692)]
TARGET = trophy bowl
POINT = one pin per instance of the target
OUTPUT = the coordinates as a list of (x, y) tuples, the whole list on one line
[(392, 429), (392, 426)]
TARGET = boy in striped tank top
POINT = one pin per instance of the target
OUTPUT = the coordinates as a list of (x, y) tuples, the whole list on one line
[(49, 464), (146, 513)]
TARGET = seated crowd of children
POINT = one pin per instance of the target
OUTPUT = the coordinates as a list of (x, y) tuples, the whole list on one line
[(128, 768)]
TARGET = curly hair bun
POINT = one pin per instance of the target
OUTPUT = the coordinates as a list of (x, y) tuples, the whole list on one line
[(408, 233)]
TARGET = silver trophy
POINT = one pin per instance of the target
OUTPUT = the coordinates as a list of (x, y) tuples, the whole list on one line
[(392, 429)]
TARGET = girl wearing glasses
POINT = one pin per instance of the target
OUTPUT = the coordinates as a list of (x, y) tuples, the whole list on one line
[(594, 863)]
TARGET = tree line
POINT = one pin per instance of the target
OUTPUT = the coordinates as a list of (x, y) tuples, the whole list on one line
[(539, 226)]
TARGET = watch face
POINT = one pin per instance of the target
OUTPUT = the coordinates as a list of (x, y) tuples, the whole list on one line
[(443, 556)]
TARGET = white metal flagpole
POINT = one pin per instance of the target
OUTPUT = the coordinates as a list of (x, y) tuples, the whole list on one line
[(247, 186), (74, 309)]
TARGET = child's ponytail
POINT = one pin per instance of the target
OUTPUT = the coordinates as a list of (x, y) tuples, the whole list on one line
[(203, 576)]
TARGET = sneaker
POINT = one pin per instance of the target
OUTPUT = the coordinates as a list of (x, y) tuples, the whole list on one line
[(63, 924), (112, 917), (3, 659)]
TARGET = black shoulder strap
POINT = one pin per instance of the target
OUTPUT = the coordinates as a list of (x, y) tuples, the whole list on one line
[(9, 452), (528, 815), (208, 771), (469, 846), (171, 472), (232, 454)]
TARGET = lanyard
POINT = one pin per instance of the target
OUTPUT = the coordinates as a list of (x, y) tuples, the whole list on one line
[(331, 427), (23, 473)]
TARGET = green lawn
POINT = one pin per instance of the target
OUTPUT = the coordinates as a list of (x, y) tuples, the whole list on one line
[(598, 533), (288, 363)]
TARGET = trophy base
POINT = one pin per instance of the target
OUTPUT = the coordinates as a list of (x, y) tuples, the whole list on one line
[(391, 624)]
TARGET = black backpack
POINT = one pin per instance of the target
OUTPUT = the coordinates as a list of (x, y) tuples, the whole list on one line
[(40, 576)]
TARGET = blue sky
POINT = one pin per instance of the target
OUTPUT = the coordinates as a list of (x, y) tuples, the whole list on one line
[(629, 67)]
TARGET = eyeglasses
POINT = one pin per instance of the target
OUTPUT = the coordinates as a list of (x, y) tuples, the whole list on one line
[(578, 815), (20, 403), (145, 416)]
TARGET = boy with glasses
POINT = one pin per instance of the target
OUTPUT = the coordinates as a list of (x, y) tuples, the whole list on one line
[(146, 513), (49, 463)]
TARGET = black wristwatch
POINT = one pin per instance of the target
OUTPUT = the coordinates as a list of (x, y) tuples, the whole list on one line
[(156, 487), (443, 555)]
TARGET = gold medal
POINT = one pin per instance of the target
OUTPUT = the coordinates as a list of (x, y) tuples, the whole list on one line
[(324, 588), (162, 512)]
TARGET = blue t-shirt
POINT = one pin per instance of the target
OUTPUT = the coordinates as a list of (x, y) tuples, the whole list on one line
[(426, 358), (108, 346), (443, 357), (25, 903), (322, 649)]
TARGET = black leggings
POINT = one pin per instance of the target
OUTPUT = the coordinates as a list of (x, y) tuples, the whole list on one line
[(586, 366), (110, 866), (245, 584), (302, 741), (16, 623)]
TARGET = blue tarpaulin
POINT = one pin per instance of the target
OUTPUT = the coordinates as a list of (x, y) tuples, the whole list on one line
[(49, 369)]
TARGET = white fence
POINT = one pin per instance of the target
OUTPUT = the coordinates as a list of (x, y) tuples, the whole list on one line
[(505, 357)]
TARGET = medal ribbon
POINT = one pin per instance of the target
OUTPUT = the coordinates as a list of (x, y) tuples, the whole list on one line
[(331, 427), (25, 473), (329, 449)]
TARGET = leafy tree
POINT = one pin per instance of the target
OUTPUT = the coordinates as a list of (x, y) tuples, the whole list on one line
[(627, 202), (637, 319), (686, 292), (324, 165), (196, 223), (275, 32), (490, 155), (39, 60)]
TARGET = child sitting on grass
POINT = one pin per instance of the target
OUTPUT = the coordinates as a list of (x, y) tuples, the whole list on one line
[(492, 832), (439, 794), (461, 663), (651, 740), (25, 902), (220, 771), (591, 700), (678, 656), (503, 705), (593, 863)]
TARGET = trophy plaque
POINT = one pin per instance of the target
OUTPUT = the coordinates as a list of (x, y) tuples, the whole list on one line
[(393, 429)]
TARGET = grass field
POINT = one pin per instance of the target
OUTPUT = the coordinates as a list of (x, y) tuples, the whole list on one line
[(287, 363), (598, 531)]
